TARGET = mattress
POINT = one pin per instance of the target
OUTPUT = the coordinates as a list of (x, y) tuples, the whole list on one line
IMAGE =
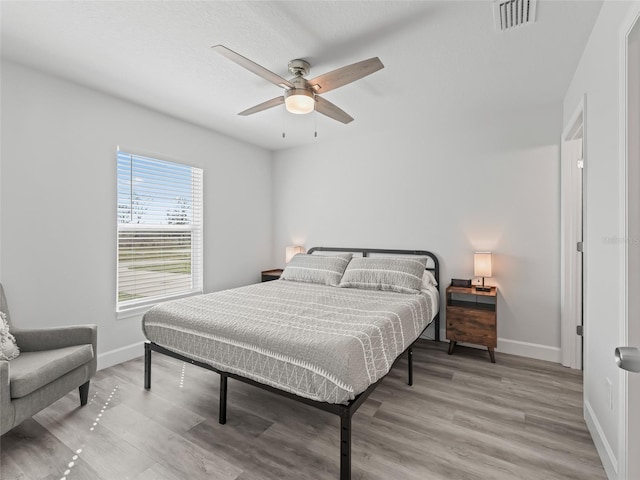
[(321, 342)]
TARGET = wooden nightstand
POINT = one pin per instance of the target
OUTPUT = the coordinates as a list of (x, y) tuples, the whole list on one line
[(472, 317), (269, 275)]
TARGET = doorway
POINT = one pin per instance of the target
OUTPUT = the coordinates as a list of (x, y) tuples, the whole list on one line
[(572, 266), (630, 327)]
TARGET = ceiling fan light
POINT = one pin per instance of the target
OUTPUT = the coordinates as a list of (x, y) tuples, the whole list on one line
[(299, 101)]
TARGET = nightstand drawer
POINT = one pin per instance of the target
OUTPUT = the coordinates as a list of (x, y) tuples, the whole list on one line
[(472, 326)]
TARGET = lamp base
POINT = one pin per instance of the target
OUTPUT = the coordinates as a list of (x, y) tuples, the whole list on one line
[(483, 289)]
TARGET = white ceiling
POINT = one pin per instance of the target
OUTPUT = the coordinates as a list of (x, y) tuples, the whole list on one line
[(439, 56)]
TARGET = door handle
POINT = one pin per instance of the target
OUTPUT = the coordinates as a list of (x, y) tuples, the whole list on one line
[(628, 358)]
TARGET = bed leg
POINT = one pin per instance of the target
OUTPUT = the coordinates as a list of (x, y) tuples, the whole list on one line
[(410, 365), (345, 445), (222, 414), (147, 365)]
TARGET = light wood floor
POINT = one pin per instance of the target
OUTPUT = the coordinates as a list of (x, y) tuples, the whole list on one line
[(464, 418)]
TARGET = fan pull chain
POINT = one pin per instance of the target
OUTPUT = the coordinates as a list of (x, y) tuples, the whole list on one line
[(283, 134), (315, 123)]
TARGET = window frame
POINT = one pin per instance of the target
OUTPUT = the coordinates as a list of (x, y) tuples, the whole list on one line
[(128, 308)]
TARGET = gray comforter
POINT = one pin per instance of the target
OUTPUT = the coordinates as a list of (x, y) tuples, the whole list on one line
[(325, 343)]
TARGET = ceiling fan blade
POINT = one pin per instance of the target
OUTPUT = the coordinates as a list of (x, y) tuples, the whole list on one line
[(252, 66), (327, 108), (274, 102), (345, 75)]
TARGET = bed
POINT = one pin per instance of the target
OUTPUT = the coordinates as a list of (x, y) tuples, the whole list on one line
[(322, 335)]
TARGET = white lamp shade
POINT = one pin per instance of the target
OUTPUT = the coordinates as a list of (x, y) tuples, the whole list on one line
[(482, 264), (291, 251)]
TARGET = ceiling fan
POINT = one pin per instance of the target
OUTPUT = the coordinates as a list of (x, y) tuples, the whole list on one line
[(302, 95)]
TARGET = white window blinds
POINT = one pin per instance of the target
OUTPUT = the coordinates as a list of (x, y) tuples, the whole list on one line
[(159, 230)]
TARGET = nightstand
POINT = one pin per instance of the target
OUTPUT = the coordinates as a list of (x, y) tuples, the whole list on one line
[(472, 317), (269, 275)]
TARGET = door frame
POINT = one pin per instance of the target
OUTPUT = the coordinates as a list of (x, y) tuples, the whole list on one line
[(630, 21), (572, 290)]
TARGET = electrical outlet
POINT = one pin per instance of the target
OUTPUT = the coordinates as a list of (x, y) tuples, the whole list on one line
[(609, 393)]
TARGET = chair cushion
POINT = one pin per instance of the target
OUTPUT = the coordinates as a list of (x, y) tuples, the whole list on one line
[(32, 370)]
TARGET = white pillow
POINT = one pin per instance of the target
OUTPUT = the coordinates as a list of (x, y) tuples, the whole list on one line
[(325, 270), (396, 274), (427, 280), (8, 347)]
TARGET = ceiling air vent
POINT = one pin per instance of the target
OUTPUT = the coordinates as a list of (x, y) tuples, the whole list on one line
[(510, 14)]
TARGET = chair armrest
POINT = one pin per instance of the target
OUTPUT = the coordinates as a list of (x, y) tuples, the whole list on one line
[(7, 411), (4, 378), (37, 339), (5, 394)]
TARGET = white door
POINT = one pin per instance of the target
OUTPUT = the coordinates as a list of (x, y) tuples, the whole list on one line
[(633, 323), (572, 163), (631, 329)]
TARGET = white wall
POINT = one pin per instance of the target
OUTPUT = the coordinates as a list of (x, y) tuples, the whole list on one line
[(597, 77), (58, 197), (449, 185)]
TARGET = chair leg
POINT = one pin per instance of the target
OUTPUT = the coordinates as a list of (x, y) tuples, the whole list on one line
[(84, 393)]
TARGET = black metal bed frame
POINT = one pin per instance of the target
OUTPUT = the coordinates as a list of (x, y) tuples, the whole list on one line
[(345, 412)]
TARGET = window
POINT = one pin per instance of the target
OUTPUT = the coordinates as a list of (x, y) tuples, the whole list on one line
[(159, 230)]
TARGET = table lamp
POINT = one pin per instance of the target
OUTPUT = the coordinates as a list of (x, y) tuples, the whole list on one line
[(482, 268), (291, 251)]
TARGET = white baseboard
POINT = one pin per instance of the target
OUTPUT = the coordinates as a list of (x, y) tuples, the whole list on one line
[(119, 355), (514, 347), (522, 349), (608, 458), (531, 350)]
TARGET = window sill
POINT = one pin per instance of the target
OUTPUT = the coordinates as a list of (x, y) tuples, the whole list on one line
[(133, 312), (138, 311)]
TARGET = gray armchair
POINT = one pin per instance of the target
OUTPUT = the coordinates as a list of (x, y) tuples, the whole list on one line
[(52, 362)]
